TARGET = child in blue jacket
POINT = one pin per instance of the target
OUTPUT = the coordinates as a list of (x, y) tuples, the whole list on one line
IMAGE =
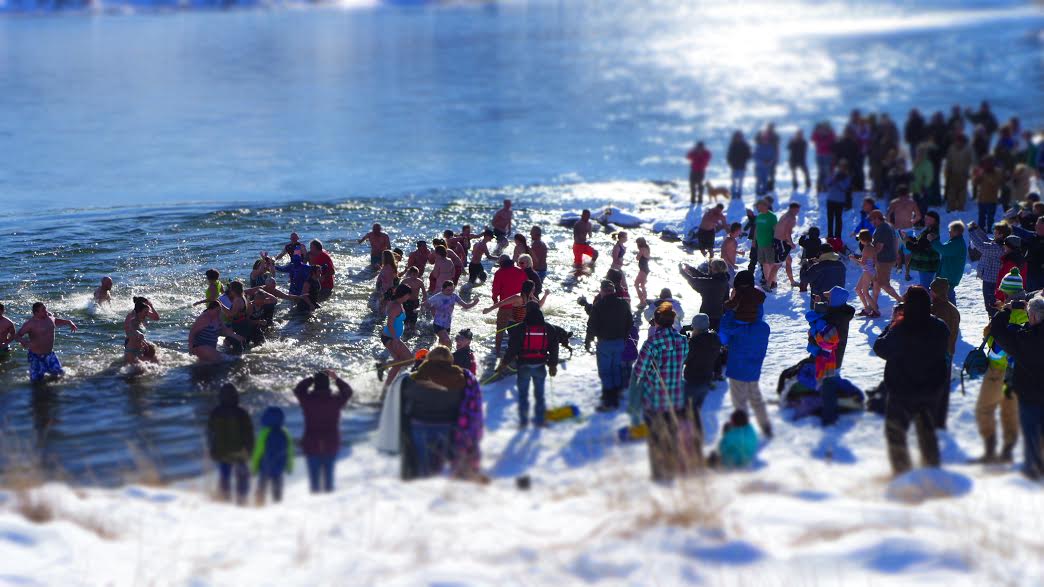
[(273, 454)]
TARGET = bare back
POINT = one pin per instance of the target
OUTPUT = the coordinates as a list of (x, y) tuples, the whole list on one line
[(785, 228), (479, 252), (538, 250), (7, 331), (502, 220), (379, 242), (582, 232)]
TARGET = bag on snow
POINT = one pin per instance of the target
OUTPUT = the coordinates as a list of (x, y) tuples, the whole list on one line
[(975, 364)]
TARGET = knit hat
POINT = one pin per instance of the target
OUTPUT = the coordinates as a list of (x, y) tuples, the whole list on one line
[(1013, 242), (700, 323), (1012, 282), (837, 296), (829, 256)]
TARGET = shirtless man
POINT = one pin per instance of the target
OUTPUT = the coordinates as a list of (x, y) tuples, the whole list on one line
[(104, 292), (418, 258), (713, 220), (410, 306), (466, 236), (454, 244), (785, 233), (476, 272), (538, 251), (40, 344), (379, 242), (582, 231), (443, 270), (289, 248), (7, 333), (502, 223), (730, 246), (903, 213)]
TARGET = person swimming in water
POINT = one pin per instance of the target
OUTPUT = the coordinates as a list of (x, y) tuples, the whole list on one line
[(136, 348), (204, 334), (7, 333), (40, 344), (103, 295)]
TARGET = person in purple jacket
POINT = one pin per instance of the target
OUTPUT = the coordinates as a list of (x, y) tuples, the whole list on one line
[(322, 422)]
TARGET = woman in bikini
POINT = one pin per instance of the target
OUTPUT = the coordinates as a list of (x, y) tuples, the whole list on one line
[(619, 250), (136, 348), (868, 263), (204, 334), (391, 334), (643, 254)]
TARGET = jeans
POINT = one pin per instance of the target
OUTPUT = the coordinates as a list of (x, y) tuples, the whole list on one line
[(793, 174), (737, 182), (761, 179), (696, 393), (610, 369), (695, 186), (1031, 420), (823, 165), (835, 212), (431, 446), (538, 374), (828, 394), (242, 472), (277, 486), (321, 464), (989, 290), (924, 278), (986, 214)]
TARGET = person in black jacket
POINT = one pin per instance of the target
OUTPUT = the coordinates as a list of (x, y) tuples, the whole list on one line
[(847, 148), (914, 347), (838, 313), (811, 247), (913, 132), (610, 322), (535, 346), (702, 362), (797, 149), (1025, 346), (230, 438), (713, 288), (738, 156), (825, 274)]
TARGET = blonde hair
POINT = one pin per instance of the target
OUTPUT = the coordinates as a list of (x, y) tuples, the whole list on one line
[(525, 260), (958, 226), (440, 353)]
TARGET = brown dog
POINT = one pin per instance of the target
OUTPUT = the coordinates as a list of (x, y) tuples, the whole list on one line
[(715, 192)]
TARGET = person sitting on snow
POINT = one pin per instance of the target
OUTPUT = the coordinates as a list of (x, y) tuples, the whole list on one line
[(823, 344), (738, 444)]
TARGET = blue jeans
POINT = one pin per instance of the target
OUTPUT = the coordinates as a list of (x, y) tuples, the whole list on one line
[(1031, 420), (276, 481), (610, 363), (696, 393), (823, 165), (737, 182), (989, 297), (761, 179), (242, 472), (431, 446), (924, 278), (324, 465), (538, 374), (986, 214)]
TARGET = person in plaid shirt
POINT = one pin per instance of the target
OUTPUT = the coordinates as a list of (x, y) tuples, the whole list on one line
[(990, 262), (658, 392)]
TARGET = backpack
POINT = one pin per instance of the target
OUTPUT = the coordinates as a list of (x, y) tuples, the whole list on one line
[(535, 344), (975, 364)]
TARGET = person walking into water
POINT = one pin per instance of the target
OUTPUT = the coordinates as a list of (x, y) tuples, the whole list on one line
[(442, 305), (501, 223), (582, 231), (37, 337), (379, 242), (391, 333)]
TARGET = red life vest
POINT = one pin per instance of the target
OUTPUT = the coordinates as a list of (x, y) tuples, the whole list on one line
[(534, 343)]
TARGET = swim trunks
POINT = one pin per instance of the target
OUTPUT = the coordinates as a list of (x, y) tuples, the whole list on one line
[(41, 366)]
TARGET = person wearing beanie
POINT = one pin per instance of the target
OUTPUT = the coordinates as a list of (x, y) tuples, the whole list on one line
[(833, 306), (273, 454), (701, 363), (321, 411), (914, 347), (657, 395), (1010, 285), (1011, 259), (747, 341), (988, 266), (230, 439), (610, 324), (945, 310), (746, 302)]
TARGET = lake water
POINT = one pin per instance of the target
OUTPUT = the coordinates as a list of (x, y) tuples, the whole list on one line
[(153, 144)]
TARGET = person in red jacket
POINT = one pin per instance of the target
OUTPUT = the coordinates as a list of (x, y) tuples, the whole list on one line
[(317, 256), (699, 157), (322, 425), (507, 281)]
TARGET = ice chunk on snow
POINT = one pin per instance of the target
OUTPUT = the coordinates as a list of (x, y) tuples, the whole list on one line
[(922, 484)]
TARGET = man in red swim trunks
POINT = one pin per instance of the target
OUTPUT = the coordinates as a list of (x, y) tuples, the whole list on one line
[(581, 235)]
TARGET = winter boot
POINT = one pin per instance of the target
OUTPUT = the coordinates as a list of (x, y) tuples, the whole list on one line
[(1006, 453), (990, 455)]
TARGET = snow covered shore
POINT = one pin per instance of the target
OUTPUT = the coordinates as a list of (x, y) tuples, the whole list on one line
[(819, 508)]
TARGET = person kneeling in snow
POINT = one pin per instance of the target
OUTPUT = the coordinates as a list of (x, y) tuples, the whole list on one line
[(273, 454), (738, 444), (658, 393), (230, 438)]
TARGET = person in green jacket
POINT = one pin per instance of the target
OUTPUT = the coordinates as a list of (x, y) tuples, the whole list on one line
[(273, 454), (953, 256), (739, 443), (923, 174)]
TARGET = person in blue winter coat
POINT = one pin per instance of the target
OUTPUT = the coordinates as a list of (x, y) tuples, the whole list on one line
[(747, 343), (765, 156), (299, 273), (273, 454)]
